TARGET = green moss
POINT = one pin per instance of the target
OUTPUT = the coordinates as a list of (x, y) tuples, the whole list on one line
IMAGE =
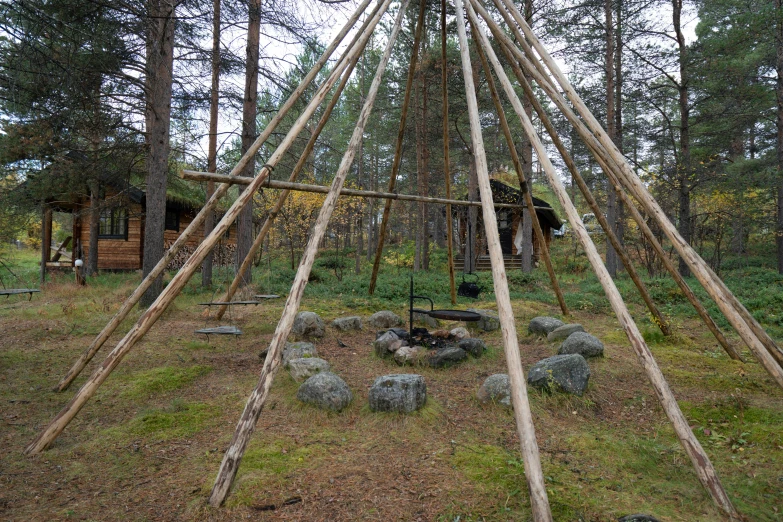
[(160, 380), (267, 466), (180, 420)]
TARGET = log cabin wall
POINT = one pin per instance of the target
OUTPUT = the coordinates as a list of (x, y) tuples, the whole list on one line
[(114, 253), (126, 253)]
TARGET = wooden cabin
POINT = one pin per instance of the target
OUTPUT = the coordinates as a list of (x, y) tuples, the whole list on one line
[(121, 230), (510, 223)]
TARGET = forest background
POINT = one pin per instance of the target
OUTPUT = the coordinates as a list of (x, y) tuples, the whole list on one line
[(92, 93)]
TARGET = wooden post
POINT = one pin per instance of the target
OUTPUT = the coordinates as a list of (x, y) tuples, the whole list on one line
[(318, 189), (247, 422), (145, 322), (660, 320), (446, 167), (210, 205), (604, 161), (398, 147), (700, 460), (543, 247), (259, 240), (539, 501), (760, 343)]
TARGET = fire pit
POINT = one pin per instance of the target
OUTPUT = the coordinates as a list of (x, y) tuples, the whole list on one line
[(446, 315)]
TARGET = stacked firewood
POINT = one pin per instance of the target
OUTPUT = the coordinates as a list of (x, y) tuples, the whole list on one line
[(223, 255)]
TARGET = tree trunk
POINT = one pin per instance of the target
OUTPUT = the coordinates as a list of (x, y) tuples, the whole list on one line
[(249, 111), (159, 77), (619, 222), (779, 95), (527, 166), (471, 251), (611, 197), (95, 221), (425, 173), (209, 222), (684, 163)]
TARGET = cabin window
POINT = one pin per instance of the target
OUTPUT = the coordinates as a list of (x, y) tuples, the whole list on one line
[(113, 224), (502, 220), (172, 220)]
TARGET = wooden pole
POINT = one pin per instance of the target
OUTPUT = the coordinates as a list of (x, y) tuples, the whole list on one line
[(760, 343), (660, 320), (604, 161), (704, 469), (145, 322), (398, 147), (303, 187), (539, 501), (247, 422), (520, 174), (210, 205), (259, 240), (444, 90)]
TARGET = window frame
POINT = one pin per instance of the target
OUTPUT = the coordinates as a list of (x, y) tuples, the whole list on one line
[(166, 220), (114, 221)]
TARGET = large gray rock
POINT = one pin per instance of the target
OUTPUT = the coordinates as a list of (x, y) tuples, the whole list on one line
[(447, 356), (582, 343), (543, 325), (475, 347), (384, 319), (568, 373), (347, 323), (426, 319), (325, 391), (387, 343), (410, 355), (307, 325), (489, 319), (459, 333), (496, 388), (301, 369), (399, 332), (298, 350), (562, 332), (403, 393)]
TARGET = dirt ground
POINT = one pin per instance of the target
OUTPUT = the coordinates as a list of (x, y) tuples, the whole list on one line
[(149, 444)]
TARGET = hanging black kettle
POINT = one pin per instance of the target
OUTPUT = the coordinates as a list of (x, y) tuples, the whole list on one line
[(469, 288)]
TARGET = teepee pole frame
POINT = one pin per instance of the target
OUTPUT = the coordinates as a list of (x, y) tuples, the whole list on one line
[(153, 313), (507, 46), (210, 205), (539, 500), (702, 465), (398, 146), (660, 320), (255, 403), (610, 165), (760, 343), (529, 212), (259, 240)]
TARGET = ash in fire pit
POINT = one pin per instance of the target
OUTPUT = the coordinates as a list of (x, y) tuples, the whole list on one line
[(433, 341)]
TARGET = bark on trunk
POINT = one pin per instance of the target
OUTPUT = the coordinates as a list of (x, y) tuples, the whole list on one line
[(95, 221), (159, 77), (249, 111), (209, 222), (611, 129), (527, 168), (779, 95), (684, 163)]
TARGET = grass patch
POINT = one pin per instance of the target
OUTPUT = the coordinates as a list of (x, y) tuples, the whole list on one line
[(179, 420), (268, 466), (160, 380)]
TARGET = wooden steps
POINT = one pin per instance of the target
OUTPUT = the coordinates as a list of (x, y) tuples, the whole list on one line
[(484, 265)]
